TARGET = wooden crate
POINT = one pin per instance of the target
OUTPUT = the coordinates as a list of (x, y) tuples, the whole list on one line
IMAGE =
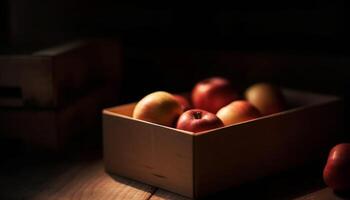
[(54, 129), (195, 165), (57, 76)]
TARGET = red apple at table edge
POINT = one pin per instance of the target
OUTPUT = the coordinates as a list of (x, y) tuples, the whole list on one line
[(336, 173), (267, 98), (184, 101), (158, 107), (213, 93), (197, 120), (237, 111)]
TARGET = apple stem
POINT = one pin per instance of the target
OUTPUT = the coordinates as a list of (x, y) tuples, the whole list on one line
[(197, 115)]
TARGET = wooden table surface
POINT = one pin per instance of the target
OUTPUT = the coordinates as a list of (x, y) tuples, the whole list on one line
[(83, 177)]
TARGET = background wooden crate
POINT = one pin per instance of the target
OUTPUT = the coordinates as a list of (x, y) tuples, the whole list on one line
[(57, 76), (52, 96), (55, 129)]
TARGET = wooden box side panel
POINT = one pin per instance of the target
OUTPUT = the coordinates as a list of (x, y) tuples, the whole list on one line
[(241, 153), (148, 153), (30, 77)]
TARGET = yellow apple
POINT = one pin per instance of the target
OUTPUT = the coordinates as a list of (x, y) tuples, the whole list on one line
[(237, 111), (267, 98), (158, 107)]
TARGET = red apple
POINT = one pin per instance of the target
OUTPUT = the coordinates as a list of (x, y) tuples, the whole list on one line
[(158, 107), (237, 111), (213, 93), (183, 100), (267, 98), (197, 120), (336, 173)]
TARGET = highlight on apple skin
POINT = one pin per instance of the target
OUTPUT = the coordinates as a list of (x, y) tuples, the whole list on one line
[(237, 111), (213, 93), (197, 120), (158, 107), (336, 173), (267, 98)]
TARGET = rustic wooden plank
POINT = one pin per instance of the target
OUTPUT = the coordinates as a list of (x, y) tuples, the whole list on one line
[(91, 182), (165, 195), (323, 194)]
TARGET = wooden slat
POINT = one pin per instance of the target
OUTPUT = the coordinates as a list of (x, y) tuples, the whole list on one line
[(91, 182), (165, 195)]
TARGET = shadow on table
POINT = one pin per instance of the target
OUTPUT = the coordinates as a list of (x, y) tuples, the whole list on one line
[(288, 185), (26, 171), (132, 183)]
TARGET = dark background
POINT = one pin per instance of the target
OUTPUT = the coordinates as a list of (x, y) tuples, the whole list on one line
[(298, 25), (171, 46), (299, 44)]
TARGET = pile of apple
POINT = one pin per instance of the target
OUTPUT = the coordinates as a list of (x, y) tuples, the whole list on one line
[(213, 103)]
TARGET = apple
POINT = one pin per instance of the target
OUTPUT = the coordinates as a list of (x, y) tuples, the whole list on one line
[(158, 107), (336, 173), (267, 98), (183, 100), (212, 94), (237, 111), (197, 120)]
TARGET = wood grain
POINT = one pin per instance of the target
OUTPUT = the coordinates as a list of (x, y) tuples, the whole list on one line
[(91, 182)]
